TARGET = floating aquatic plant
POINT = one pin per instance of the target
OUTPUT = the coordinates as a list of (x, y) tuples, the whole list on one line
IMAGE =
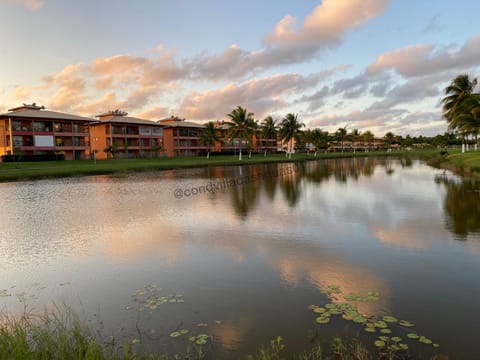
[(150, 298), (178, 333), (371, 323), (199, 339)]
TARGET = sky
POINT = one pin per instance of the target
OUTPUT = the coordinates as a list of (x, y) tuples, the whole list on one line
[(374, 65)]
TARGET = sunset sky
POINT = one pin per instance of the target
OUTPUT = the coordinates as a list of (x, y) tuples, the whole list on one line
[(373, 65)]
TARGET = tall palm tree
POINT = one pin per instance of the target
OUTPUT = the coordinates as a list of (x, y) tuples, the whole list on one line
[(467, 116), (389, 138), (289, 130), (355, 136), (459, 89), (320, 139), (341, 135), (242, 126), (209, 136), (368, 138), (268, 129)]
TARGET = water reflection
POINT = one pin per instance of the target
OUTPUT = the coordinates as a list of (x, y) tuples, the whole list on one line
[(249, 251), (462, 205)]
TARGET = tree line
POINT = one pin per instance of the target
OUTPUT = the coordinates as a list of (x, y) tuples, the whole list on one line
[(242, 126)]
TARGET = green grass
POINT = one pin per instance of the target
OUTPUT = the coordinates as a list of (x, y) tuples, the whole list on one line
[(56, 169), (466, 162)]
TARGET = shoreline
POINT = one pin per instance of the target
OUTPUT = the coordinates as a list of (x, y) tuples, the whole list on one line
[(466, 164)]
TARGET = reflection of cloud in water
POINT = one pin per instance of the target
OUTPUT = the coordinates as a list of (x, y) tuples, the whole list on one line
[(233, 332), (132, 243), (410, 234), (323, 268)]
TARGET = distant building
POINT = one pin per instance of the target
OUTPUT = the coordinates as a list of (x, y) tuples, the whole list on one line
[(117, 135), (182, 138), (32, 130)]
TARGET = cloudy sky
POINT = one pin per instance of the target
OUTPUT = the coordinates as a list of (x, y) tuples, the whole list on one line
[(375, 65)]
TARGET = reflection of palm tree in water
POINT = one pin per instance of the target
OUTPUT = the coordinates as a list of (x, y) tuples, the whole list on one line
[(462, 206)]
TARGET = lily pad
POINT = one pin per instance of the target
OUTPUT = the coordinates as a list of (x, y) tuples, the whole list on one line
[(379, 343), (436, 345), (360, 320), (386, 331), (412, 336), (353, 297), (425, 340), (405, 323), (403, 346), (381, 324), (322, 320), (335, 311), (178, 333), (370, 329), (390, 319), (396, 339)]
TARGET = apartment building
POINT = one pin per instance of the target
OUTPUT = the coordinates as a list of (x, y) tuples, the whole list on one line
[(117, 135), (182, 138), (31, 130)]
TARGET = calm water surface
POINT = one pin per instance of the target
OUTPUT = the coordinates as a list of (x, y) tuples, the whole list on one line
[(249, 248)]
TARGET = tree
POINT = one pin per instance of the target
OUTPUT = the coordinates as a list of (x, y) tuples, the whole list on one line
[(268, 129), (389, 138), (455, 93), (289, 130), (320, 139), (355, 136), (341, 135), (459, 106), (242, 126), (368, 137), (209, 136)]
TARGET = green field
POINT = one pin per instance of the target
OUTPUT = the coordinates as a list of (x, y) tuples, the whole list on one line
[(55, 169)]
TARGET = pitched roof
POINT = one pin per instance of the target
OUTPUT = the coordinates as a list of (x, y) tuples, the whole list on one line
[(128, 120), (181, 123), (32, 113)]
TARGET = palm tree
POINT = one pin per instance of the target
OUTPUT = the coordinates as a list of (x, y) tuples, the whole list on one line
[(368, 138), (268, 129), (460, 89), (455, 93), (209, 136), (467, 116), (355, 136), (242, 126), (320, 139), (289, 129), (389, 138), (341, 134)]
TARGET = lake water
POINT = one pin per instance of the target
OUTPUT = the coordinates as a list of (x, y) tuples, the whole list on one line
[(239, 253)]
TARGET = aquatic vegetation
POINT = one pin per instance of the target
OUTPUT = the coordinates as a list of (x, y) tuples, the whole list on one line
[(150, 298), (387, 324)]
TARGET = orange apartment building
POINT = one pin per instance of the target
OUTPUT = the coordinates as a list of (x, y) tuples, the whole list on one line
[(182, 138), (226, 144), (32, 130), (117, 135)]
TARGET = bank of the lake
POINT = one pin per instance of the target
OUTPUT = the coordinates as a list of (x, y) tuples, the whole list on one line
[(57, 169)]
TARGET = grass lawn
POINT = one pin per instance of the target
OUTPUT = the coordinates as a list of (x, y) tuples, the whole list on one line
[(55, 169)]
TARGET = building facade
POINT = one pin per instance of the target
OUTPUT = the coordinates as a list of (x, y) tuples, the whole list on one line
[(117, 135), (31, 130), (182, 138)]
